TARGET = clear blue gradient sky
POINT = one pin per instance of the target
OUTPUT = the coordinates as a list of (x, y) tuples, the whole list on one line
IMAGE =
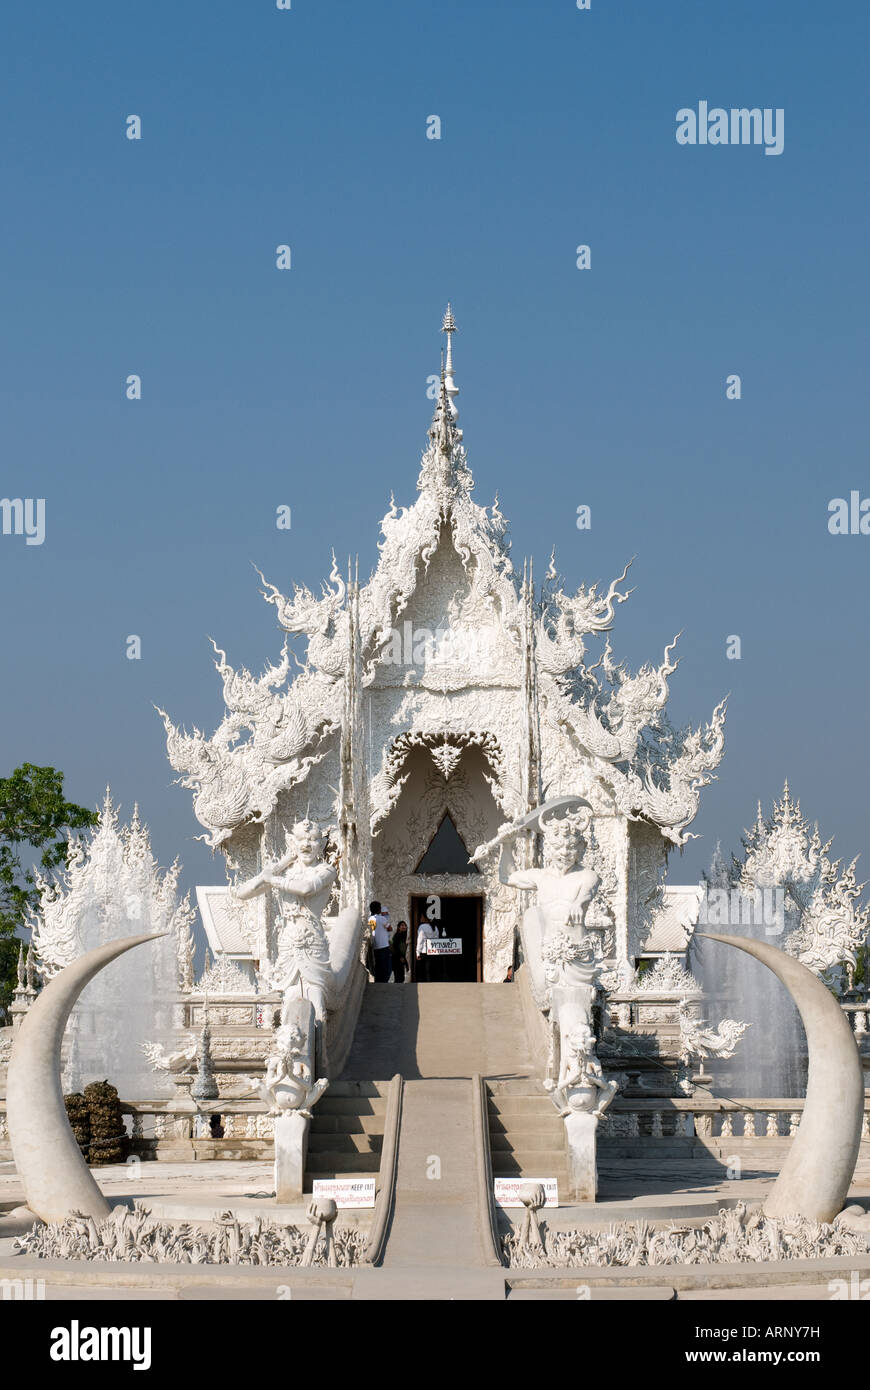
[(307, 388)]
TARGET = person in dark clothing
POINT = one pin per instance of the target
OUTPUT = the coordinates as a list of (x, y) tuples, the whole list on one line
[(399, 952)]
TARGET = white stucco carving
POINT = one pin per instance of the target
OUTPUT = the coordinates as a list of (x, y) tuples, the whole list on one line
[(173, 1063), (311, 957), (736, 1235), (289, 1083), (223, 976), (564, 954), (449, 681), (668, 976), (823, 922), (111, 886), (582, 1085), (697, 1040), (137, 1235)]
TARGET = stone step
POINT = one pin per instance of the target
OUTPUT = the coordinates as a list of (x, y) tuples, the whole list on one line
[(524, 1123), (324, 1165), (512, 1142), (351, 1105), (524, 1118), (346, 1089), (517, 1086), (345, 1143), (346, 1124), (530, 1165), (520, 1105)]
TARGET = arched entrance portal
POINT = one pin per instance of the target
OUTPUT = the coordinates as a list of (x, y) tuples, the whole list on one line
[(421, 865)]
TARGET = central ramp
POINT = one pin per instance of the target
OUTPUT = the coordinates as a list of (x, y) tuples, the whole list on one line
[(436, 1222), (439, 1030)]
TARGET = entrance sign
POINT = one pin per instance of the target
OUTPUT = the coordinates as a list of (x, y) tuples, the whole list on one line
[(346, 1192), (507, 1190), (456, 957), (445, 946)]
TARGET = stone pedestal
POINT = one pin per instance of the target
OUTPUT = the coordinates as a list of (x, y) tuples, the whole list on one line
[(291, 1148), (581, 1129)]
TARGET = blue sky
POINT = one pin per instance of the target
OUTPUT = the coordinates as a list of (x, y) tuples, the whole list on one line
[(604, 387)]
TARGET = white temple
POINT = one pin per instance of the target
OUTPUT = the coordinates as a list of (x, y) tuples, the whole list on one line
[(443, 697), (449, 746)]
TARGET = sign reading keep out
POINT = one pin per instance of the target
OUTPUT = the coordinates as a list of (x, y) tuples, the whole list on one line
[(350, 1192)]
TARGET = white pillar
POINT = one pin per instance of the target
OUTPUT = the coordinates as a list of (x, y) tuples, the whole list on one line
[(581, 1128), (291, 1148)]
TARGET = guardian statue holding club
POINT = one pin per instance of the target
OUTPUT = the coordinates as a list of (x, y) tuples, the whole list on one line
[(563, 956)]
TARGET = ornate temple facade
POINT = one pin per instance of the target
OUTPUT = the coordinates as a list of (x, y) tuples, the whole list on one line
[(426, 707)]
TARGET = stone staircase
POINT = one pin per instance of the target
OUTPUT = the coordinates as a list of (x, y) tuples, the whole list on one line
[(347, 1131), (526, 1135)]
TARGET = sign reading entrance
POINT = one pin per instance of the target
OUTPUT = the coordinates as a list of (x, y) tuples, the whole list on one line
[(348, 1192), (507, 1191), (444, 946)]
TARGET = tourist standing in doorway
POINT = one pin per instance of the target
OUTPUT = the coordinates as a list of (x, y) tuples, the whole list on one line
[(426, 932), (399, 950), (381, 931)]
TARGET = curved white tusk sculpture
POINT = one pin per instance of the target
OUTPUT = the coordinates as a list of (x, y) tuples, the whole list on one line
[(56, 1179), (816, 1174)]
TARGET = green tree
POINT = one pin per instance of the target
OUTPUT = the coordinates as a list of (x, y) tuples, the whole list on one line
[(34, 816)]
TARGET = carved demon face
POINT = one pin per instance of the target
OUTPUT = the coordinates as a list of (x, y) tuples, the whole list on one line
[(308, 839), (581, 1041), (563, 846)]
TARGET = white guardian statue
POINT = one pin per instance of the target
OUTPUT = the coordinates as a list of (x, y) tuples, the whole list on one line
[(564, 956)]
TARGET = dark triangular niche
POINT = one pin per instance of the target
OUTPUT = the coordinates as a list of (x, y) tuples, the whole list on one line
[(447, 853)]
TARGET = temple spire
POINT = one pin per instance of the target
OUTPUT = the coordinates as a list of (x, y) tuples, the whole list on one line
[(443, 462), (449, 327)]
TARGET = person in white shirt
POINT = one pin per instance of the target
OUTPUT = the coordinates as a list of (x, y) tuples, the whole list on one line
[(426, 932), (379, 925)]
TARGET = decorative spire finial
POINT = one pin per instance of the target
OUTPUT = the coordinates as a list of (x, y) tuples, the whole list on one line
[(449, 327), (444, 457)]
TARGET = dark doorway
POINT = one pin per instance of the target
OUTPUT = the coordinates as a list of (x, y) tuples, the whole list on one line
[(460, 919)]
